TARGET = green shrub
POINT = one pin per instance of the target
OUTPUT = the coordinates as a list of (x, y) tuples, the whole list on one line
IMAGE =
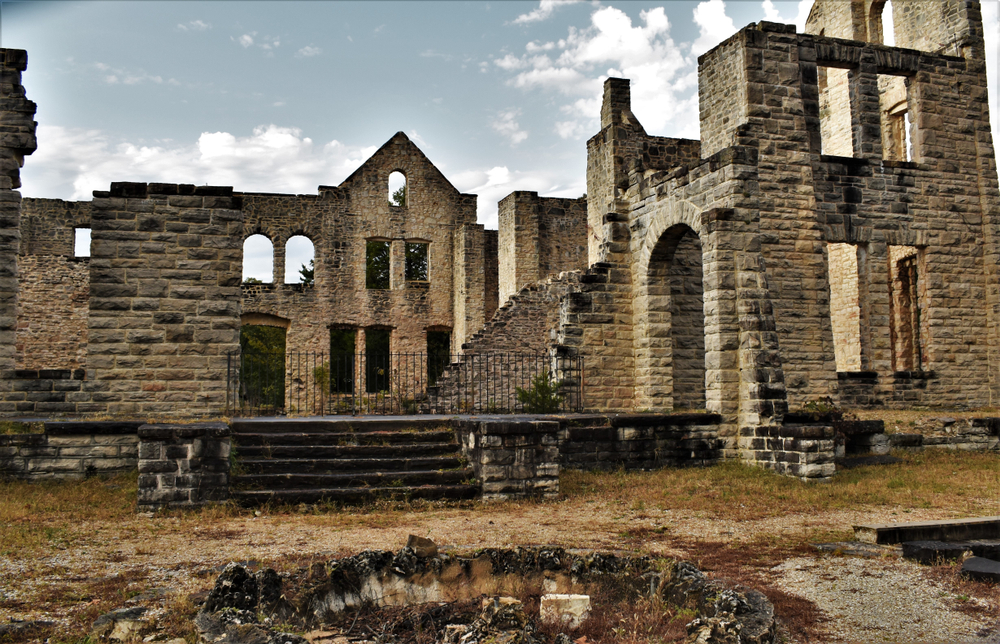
[(543, 396)]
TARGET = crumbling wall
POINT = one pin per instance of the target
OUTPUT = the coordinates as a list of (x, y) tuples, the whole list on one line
[(542, 236)]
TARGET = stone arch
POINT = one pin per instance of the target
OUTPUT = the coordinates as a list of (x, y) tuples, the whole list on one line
[(256, 263), (264, 319), (394, 185), (669, 278), (304, 256)]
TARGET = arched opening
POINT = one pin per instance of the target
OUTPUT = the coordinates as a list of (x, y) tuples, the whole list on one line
[(258, 260), (262, 364), (299, 260), (397, 189), (880, 26), (676, 319)]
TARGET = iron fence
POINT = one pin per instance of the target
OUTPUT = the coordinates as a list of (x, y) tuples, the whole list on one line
[(318, 383)]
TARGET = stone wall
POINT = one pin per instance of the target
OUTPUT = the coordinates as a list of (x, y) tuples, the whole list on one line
[(844, 310), (183, 465), (16, 141), (513, 458), (164, 297), (542, 236), (70, 450), (52, 312), (722, 95)]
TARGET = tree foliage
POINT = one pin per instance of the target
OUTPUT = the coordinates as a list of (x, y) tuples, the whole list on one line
[(307, 273), (398, 197), (543, 396)]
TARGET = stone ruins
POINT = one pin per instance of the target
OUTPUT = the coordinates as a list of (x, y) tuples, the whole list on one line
[(831, 241)]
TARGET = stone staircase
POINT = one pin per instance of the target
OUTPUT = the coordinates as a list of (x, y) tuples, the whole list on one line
[(347, 461)]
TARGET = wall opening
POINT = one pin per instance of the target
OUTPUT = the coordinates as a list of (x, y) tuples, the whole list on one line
[(342, 359), (907, 297), (258, 260), (416, 262), (895, 118), (676, 318), (845, 306), (438, 354), (81, 242), (377, 264), (397, 189), (881, 29), (299, 260), (835, 112), (377, 373), (262, 366)]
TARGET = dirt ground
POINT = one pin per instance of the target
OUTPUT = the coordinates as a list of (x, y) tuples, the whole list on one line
[(162, 560)]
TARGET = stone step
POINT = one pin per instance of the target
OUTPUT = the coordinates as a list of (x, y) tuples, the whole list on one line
[(328, 480), (312, 452), (322, 465), (355, 494), (949, 530), (981, 569), (350, 424), (245, 440), (929, 552)]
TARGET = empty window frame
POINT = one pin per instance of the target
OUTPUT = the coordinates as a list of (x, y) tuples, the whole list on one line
[(835, 112), (299, 260), (377, 372), (895, 118), (342, 359), (81, 242), (377, 264), (416, 262), (438, 354), (397, 189), (845, 306), (881, 29), (906, 301), (262, 367), (258, 260)]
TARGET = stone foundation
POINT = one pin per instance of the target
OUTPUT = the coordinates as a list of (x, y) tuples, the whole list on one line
[(183, 465)]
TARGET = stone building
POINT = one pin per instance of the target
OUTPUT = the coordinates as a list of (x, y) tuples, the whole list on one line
[(831, 240)]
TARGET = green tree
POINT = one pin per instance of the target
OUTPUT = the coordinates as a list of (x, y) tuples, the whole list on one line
[(398, 197), (308, 273), (377, 265)]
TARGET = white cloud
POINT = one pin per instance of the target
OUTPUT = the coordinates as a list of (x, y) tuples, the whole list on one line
[(715, 25), (72, 163), (662, 74), (506, 124), (771, 14), (308, 51), (494, 184), (129, 77), (544, 10), (195, 25), (419, 140), (247, 40)]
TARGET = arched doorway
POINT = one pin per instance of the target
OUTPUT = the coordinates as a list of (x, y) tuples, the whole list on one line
[(675, 315)]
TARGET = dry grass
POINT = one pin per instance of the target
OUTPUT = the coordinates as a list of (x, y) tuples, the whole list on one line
[(35, 516), (963, 482)]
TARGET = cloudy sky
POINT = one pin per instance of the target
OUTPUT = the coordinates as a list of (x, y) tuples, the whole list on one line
[(272, 97)]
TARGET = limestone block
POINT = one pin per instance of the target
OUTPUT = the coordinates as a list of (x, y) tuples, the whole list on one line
[(564, 610)]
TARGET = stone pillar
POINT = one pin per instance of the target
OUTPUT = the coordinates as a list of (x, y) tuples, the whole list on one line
[(518, 253), (165, 302), (468, 285), (183, 465), (17, 140)]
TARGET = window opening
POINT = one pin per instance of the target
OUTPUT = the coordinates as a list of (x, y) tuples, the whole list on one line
[(416, 261), (397, 189), (262, 366), (342, 351), (81, 242), (377, 265), (258, 260), (845, 306), (299, 265), (906, 291), (895, 118), (881, 29), (835, 112), (438, 354), (377, 375)]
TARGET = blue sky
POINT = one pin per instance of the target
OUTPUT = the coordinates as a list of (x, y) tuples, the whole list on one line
[(283, 97)]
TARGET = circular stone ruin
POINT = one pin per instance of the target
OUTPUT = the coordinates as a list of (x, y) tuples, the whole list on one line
[(490, 595)]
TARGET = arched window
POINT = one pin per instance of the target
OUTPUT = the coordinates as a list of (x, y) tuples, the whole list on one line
[(258, 259), (397, 189), (299, 260), (880, 27)]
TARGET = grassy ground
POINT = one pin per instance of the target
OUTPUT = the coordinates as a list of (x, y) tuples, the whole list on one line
[(45, 522)]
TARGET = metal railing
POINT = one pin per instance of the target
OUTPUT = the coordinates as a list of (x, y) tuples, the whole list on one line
[(318, 383)]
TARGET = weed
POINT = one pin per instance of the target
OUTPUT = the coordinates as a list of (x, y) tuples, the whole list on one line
[(9, 427), (543, 396)]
